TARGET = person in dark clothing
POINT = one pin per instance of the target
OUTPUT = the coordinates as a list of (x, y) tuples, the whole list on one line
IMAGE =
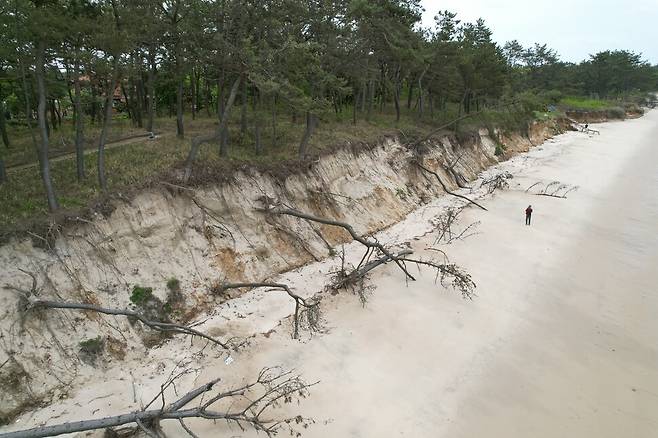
[(528, 214)]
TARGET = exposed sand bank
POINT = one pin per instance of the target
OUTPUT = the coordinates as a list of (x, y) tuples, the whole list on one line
[(562, 339)]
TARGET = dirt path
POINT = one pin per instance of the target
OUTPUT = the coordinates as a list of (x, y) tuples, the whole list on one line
[(89, 151)]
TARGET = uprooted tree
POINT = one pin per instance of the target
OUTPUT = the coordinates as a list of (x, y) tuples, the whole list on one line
[(377, 254), (248, 407)]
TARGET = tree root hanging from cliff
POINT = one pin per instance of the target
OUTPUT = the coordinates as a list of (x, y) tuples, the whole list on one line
[(419, 164), (272, 388)]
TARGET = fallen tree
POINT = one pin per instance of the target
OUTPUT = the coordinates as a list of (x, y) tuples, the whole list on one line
[(459, 279), (444, 226), (498, 181), (272, 388)]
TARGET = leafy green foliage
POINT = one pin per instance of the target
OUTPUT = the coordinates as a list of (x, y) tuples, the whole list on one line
[(173, 284), (140, 295), (92, 345)]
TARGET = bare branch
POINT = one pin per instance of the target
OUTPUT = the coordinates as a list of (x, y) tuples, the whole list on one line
[(497, 182), (261, 396), (311, 306), (165, 327), (554, 189)]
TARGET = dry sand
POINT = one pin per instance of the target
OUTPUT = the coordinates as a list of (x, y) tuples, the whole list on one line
[(562, 339)]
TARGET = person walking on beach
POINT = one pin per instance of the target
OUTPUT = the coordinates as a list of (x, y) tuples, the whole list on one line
[(528, 214)]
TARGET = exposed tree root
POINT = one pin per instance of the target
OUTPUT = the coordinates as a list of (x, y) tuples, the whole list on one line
[(445, 188)]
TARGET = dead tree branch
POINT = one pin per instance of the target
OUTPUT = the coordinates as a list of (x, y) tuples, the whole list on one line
[(445, 188), (308, 308), (165, 327), (272, 388), (497, 182), (444, 225)]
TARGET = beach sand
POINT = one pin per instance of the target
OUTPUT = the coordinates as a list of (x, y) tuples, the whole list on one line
[(562, 339)]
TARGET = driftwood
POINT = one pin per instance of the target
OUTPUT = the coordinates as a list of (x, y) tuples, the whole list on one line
[(272, 388), (445, 188), (309, 307)]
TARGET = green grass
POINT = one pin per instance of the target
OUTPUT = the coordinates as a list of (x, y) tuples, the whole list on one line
[(581, 103)]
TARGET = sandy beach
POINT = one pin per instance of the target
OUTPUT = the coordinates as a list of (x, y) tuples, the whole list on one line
[(561, 339)]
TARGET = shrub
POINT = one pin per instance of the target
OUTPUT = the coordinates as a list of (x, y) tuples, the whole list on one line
[(616, 113), (92, 346), (173, 284), (140, 295)]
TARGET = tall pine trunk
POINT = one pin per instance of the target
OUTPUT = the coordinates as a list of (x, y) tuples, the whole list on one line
[(311, 123), (198, 141), (44, 163), (257, 122), (151, 89), (3, 171), (180, 128), (396, 94), (107, 121), (193, 84), (243, 114), (3, 126), (274, 140), (79, 123)]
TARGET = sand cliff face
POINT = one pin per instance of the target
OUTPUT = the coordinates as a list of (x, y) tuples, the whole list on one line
[(200, 238)]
